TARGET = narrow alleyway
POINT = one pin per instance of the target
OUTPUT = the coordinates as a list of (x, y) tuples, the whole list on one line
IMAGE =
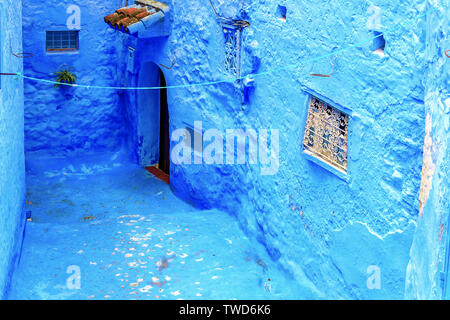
[(131, 238)]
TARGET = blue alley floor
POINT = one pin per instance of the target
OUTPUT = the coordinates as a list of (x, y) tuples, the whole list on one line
[(133, 239)]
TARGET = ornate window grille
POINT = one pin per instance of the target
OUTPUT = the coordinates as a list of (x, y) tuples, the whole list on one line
[(326, 134), (232, 49)]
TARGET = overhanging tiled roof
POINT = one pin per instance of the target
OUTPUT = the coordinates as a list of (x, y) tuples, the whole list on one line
[(137, 17)]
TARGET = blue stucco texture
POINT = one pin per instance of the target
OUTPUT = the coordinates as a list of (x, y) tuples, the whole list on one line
[(300, 212), (12, 177), (428, 267), (71, 120), (323, 231)]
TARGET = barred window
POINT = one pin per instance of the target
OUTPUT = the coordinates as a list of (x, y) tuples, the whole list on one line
[(326, 134), (62, 41)]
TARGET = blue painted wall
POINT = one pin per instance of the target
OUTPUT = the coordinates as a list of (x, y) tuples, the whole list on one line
[(323, 230), (196, 46), (327, 231), (71, 120), (12, 177), (427, 276)]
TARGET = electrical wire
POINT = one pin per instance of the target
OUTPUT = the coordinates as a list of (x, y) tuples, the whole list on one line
[(214, 8), (231, 79)]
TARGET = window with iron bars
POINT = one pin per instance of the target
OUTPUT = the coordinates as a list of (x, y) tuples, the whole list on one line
[(232, 50), (60, 41), (326, 134)]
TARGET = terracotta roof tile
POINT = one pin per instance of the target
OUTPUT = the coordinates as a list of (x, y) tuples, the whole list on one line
[(125, 17), (143, 15)]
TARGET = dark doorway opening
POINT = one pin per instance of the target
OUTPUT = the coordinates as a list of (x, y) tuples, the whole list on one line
[(164, 140)]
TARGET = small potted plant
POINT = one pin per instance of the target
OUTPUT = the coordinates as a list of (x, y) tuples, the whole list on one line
[(65, 76)]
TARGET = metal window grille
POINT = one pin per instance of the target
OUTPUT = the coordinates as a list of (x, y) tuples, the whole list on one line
[(62, 41), (326, 134), (232, 50)]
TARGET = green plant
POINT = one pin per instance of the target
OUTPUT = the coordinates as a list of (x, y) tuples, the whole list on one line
[(65, 76)]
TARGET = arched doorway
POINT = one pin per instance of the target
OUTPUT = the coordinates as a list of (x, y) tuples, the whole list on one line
[(153, 119), (164, 135)]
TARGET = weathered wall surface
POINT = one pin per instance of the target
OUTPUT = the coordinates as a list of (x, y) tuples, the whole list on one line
[(196, 48), (12, 179), (428, 264), (326, 231), (68, 120)]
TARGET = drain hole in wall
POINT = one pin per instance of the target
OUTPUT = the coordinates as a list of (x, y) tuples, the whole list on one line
[(378, 44), (281, 13)]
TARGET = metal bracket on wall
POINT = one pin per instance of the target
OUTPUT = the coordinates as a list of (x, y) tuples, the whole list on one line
[(173, 60), (231, 22), (333, 62), (232, 29), (20, 55), (131, 60)]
